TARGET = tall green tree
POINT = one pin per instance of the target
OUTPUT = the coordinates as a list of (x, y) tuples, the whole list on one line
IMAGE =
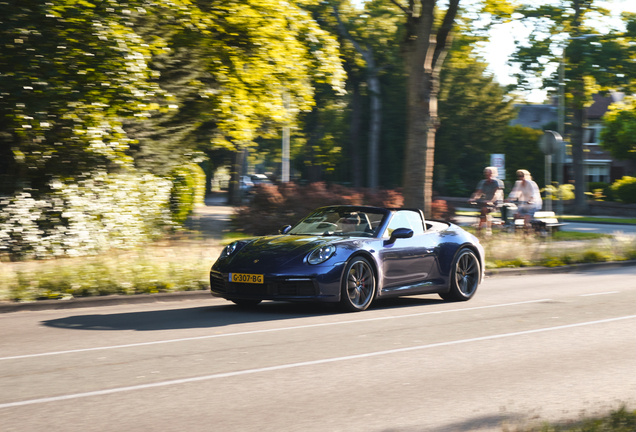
[(371, 33), (68, 74), (474, 112), (72, 74), (519, 144), (619, 131), (427, 40), (593, 62)]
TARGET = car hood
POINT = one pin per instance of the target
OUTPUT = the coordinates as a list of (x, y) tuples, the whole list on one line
[(269, 253)]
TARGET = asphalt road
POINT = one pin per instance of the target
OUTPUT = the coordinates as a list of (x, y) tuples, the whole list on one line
[(524, 350)]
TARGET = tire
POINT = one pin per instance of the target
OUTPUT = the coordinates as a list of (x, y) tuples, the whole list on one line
[(246, 303), (465, 275), (358, 285)]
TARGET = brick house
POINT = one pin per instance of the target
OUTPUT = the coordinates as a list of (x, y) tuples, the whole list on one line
[(600, 166)]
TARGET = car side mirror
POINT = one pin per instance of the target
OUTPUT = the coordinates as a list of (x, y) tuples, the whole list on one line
[(285, 229), (401, 233)]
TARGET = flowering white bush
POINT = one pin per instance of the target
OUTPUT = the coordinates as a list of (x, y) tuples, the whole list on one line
[(100, 212)]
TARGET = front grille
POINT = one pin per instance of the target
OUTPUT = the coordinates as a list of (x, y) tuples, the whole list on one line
[(295, 288), (217, 283), (247, 289), (283, 288)]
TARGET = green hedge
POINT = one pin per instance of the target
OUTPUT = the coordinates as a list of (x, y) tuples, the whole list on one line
[(625, 189), (80, 218), (187, 192), (605, 189)]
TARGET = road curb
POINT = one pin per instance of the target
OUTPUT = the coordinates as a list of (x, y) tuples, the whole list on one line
[(112, 300), (522, 271)]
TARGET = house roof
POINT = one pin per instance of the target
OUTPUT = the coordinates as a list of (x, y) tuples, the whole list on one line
[(601, 104), (535, 116)]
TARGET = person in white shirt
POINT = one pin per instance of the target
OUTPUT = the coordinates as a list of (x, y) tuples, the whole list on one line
[(527, 194)]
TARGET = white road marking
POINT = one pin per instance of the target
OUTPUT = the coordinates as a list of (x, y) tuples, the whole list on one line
[(262, 331), (602, 293), (301, 364)]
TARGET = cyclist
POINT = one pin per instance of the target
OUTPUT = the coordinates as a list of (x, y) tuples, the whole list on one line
[(488, 195), (527, 194)]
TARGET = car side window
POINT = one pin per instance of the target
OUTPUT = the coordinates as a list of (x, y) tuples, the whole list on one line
[(406, 219)]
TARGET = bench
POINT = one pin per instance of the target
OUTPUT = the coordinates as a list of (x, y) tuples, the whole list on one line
[(543, 221)]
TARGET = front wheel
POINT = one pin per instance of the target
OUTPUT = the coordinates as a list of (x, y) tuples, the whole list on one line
[(464, 277), (358, 285)]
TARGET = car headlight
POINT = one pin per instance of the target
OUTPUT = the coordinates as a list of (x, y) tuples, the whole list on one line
[(321, 254), (229, 249)]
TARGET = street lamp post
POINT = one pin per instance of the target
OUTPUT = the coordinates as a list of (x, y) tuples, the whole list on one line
[(560, 155)]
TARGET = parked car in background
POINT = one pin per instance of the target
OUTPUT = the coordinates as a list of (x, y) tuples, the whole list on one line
[(352, 255), (246, 183), (260, 179)]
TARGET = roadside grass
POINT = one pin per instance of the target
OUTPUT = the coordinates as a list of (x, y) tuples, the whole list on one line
[(575, 218), (474, 213), (504, 250), (571, 218), (184, 265), (575, 235), (556, 236), (149, 270), (621, 420)]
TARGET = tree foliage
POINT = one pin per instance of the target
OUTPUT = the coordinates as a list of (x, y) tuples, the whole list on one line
[(91, 90), (68, 74), (474, 111), (519, 144), (593, 61), (619, 131), (72, 72)]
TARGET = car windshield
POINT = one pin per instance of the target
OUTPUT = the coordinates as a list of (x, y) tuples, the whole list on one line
[(341, 221)]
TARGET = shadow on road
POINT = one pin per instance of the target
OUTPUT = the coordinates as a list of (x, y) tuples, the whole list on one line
[(475, 424), (217, 316)]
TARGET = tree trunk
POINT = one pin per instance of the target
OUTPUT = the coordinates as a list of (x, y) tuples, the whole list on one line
[(580, 199), (376, 103), (354, 135), (424, 51), (578, 113), (234, 192), (376, 122)]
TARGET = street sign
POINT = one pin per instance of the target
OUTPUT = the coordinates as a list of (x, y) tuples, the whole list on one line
[(498, 161), (550, 142)]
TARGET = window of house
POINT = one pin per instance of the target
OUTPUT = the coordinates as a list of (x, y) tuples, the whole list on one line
[(592, 134), (597, 173)]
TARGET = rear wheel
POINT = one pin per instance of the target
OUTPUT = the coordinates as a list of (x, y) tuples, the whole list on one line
[(245, 303), (358, 285), (464, 277)]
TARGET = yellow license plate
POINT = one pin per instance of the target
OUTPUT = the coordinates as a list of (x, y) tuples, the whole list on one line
[(246, 278)]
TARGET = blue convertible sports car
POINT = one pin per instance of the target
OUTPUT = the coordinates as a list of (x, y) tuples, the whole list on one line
[(352, 255)]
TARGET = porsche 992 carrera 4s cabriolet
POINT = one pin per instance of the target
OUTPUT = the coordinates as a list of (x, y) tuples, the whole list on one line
[(352, 255)]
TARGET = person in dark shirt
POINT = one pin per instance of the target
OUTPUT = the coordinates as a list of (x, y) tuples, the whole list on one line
[(488, 195)]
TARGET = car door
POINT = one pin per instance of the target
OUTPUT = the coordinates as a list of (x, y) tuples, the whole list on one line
[(407, 261)]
